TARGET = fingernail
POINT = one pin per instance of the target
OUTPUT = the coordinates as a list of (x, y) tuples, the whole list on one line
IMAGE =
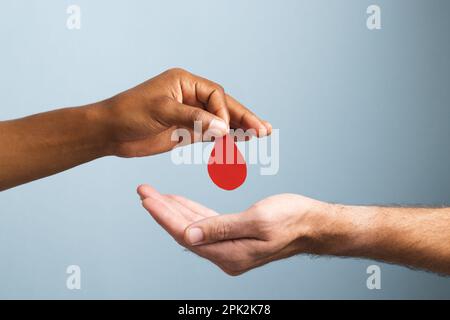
[(218, 128), (195, 236), (252, 132), (262, 131)]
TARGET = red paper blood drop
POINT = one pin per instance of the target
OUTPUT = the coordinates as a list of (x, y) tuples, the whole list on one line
[(226, 166)]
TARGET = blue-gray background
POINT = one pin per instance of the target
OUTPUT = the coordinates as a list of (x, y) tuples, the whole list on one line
[(363, 117)]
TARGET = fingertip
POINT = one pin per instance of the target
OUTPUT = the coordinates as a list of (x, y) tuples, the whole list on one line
[(217, 128), (254, 123), (140, 191), (268, 126), (262, 131), (186, 237), (145, 191), (225, 117), (265, 129), (194, 236)]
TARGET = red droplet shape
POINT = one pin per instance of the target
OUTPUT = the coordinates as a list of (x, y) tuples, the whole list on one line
[(226, 166)]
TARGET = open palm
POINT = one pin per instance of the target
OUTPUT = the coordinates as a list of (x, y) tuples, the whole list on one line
[(237, 242)]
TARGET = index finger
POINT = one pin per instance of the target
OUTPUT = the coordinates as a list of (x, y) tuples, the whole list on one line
[(241, 117)]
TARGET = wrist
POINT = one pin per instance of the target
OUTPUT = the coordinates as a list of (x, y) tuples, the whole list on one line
[(99, 121), (342, 230)]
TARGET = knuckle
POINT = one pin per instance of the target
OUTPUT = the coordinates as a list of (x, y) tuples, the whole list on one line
[(262, 216), (263, 223), (163, 101), (219, 89), (177, 70), (197, 114), (173, 197), (222, 230)]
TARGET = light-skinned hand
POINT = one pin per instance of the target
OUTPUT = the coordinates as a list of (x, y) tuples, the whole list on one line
[(272, 229)]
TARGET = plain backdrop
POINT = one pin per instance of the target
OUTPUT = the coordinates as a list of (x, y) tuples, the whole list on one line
[(363, 119)]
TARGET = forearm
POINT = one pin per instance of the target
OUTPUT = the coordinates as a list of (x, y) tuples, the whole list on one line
[(416, 237), (51, 142)]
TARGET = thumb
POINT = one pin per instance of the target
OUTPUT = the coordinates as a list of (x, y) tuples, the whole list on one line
[(219, 228), (186, 116)]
